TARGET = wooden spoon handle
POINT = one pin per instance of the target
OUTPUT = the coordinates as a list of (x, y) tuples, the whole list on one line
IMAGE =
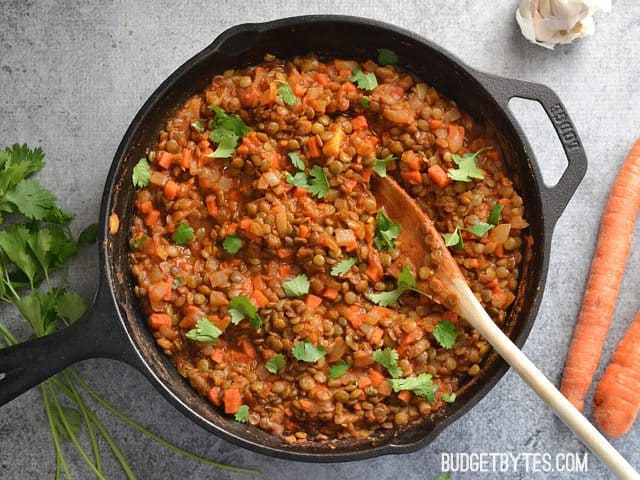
[(471, 310)]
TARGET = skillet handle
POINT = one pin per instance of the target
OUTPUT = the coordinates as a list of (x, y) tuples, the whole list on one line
[(97, 334), (554, 198)]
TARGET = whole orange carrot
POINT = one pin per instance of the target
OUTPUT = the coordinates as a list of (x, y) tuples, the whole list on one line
[(617, 399), (607, 269)]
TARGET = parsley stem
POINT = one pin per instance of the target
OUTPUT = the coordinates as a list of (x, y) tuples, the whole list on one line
[(155, 437), (54, 434)]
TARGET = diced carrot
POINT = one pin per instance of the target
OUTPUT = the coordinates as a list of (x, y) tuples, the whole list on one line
[(284, 269), (413, 177), (359, 123), (300, 192), (245, 223), (330, 293), (378, 313), (451, 316), (185, 161), (248, 348), (366, 175), (158, 320), (312, 301), (304, 231), (376, 377), (306, 405), (259, 298), (217, 355), (298, 90), (364, 381), (473, 263), (214, 396), (439, 176), (151, 218), (145, 207), (374, 270), (405, 396), (165, 159), (322, 79), (313, 147), (412, 160), (171, 190), (204, 144), (258, 282), (376, 336), (435, 123), (232, 400), (348, 87), (243, 149)]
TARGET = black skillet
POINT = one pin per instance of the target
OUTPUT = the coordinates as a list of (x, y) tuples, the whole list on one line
[(114, 327)]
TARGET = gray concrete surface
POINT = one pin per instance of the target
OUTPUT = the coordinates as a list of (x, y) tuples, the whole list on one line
[(72, 76)]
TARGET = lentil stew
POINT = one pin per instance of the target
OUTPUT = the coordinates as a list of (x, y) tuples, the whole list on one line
[(262, 260)]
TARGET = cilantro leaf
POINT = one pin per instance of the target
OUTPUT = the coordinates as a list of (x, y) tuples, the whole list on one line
[(305, 351), (141, 173), (227, 142), (422, 385), (32, 200), (227, 132), (386, 232), (276, 363), (70, 306), (479, 229), (176, 283), (72, 418), (387, 57), (494, 215), (240, 308), (443, 476), (364, 102), (445, 334), (183, 234), (365, 81), (232, 243), (242, 415), (467, 168), (298, 180), (140, 241), (297, 162), (448, 397), (229, 122), (453, 239), (388, 358), (319, 185), (380, 165), (405, 282), (297, 286), (338, 369), (198, 126), (204, 332), (286, 93), (343, 267), (14, 243), (18, 162), (89, 235)]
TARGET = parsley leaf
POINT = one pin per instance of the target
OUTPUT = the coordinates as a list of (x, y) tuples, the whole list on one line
[(422, 385), (386, 232), (448, 397), (445, 334), (467, 168), (141, 173), (297, 162), (183, 234), (276, 363), (364, 102), (365, 81), (319, 185), (297, 286), (241, 307), (380, 165), (298, 180), (198, 126), (494, 215), (70, 306), (204, 332), (405, 282), (479, 229), (387, 57), (305, 351), (338, 369), (286, 93), (242, 415), (388, 358), (232, 243), (343, 267)]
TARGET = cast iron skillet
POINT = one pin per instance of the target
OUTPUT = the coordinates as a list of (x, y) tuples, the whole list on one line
[(114, 327)]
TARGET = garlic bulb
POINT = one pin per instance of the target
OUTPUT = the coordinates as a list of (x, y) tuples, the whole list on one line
[(550, 22)]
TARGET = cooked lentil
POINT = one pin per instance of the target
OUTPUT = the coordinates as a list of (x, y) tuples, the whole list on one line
[(286, 231)]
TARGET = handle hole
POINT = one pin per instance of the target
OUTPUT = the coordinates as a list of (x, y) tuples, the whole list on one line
[(2, 375), (546, 146)]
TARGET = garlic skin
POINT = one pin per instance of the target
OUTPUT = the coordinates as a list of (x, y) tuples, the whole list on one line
[(551, 22)]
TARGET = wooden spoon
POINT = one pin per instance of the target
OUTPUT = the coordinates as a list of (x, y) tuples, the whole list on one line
[(421, 244)]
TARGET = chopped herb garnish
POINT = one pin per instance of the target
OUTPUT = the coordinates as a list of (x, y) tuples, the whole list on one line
[(305, 351), (240, 308), (143, 238), (276, 363), (388, 358), (242, 415), (422, 385), (386, 232), (448, 397), (494, 215), (365, 81), (198, 126), (338, 369), (467, 168), (343, 267), (445, 334), (319, 185), (479, 229), (380, 165), (227, 132), (183, 234), (297, 286), (204, 332), (296, 161), (227, 142), (141, 173), (387, 57), (232, 243), (286, 93), (364, 102), (443, 476), (298, 180), (176, 282), (405, 282)]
